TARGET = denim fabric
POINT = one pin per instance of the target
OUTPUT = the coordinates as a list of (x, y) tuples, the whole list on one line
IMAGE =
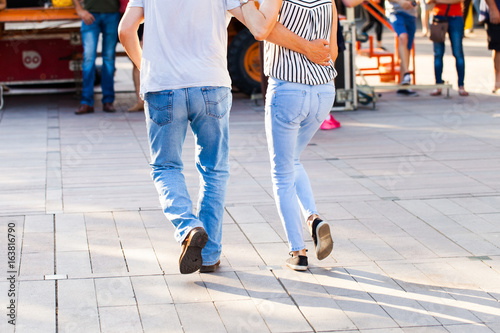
[(294, 112), (404, 23), (456, 33), (168, 114), (107, 24)]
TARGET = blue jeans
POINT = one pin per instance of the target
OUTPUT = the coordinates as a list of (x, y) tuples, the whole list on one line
[(168, 113), (404, 23), (294, 112), (107, 24), (456, 33)]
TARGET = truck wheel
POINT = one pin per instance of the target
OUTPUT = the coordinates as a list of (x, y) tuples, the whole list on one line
[(243, 62)]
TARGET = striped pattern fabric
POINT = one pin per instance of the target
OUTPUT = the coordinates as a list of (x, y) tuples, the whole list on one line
[(310, 19)]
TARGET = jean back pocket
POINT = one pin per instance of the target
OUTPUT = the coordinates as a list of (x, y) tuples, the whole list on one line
[(159, 106), (218, 101)]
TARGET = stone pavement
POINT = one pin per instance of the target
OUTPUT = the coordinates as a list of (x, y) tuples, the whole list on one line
[(411, 191)]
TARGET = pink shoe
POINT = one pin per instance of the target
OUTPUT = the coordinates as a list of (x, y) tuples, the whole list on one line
[(330, 123)]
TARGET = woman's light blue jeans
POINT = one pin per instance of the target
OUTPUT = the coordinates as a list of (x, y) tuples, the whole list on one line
[(168, 113), (456, 33), (107, 24), (294, 112)]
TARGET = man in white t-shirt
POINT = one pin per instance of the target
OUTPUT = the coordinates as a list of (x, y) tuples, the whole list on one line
[(184, 80)]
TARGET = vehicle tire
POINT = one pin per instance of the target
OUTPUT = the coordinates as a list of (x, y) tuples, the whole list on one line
[(243, 62)]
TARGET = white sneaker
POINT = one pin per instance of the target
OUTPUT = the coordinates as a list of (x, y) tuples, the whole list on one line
[(406, 80)]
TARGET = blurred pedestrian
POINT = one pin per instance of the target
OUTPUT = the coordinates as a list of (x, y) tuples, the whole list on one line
[(425, 11), (450, 11), (136, 77), (98, 17), (492, 21), (372, 21), (403, 16)]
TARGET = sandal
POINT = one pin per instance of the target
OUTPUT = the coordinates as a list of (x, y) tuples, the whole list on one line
[(436, 92), (462, 92)]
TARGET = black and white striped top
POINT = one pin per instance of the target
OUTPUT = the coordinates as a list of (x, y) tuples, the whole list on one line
[(310, 19)]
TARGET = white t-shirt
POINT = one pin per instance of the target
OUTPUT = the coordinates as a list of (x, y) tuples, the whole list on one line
[(185, 43)]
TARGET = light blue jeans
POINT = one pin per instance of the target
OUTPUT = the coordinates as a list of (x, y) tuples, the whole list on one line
[(107, 24), (294, 112), (168, 113)]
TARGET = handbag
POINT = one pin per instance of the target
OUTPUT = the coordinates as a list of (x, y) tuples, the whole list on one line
[(439, 28)]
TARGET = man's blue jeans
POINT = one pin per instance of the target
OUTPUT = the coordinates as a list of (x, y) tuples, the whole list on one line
[(168, 113), (456, 33), (107, 24), (294, 113)]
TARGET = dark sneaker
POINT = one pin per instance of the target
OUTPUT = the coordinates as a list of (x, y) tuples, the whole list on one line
[(406, 80), (190, 260), (210, 268), (406, 92), (298, 263), (320, 233)]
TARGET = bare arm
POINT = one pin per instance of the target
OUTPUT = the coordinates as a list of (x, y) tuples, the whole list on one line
[(127, 32), (353, 3), (316, 50), (85, 15), (494, 13), (334, 50)]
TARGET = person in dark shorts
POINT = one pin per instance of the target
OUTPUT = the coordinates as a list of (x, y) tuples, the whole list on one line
[(493, 30), (136, 76)]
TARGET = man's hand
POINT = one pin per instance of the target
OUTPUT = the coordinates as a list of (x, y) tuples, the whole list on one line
[(86, 16), (319, 52)]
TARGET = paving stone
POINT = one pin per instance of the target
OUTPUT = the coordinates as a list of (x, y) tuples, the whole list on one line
[(260, 233), (187, 288), (242, 255), (36, 307), (114, 292), (245, 214), (151, 290), (142, 261), (261, 284), (39, 223), (364, 312), (78, 319), (159, 318), (323, 313), (241, 316), (119, 319), (206, 315), (224, 286), (473, 328), (281, 315)]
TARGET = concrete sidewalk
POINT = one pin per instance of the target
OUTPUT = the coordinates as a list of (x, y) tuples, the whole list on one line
[(411, 191)]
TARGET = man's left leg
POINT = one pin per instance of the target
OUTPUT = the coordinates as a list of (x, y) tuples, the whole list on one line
[(109, 39), (209, 115)]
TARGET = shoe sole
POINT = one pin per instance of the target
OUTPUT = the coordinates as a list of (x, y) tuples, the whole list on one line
[(324, 244), (297, 267), (191, 260)]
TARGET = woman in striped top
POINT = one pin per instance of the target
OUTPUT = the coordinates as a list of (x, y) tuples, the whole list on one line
[(299, 97)]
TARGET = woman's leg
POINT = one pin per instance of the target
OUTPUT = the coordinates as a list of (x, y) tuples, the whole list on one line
[(456, 33), (286, 103)]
